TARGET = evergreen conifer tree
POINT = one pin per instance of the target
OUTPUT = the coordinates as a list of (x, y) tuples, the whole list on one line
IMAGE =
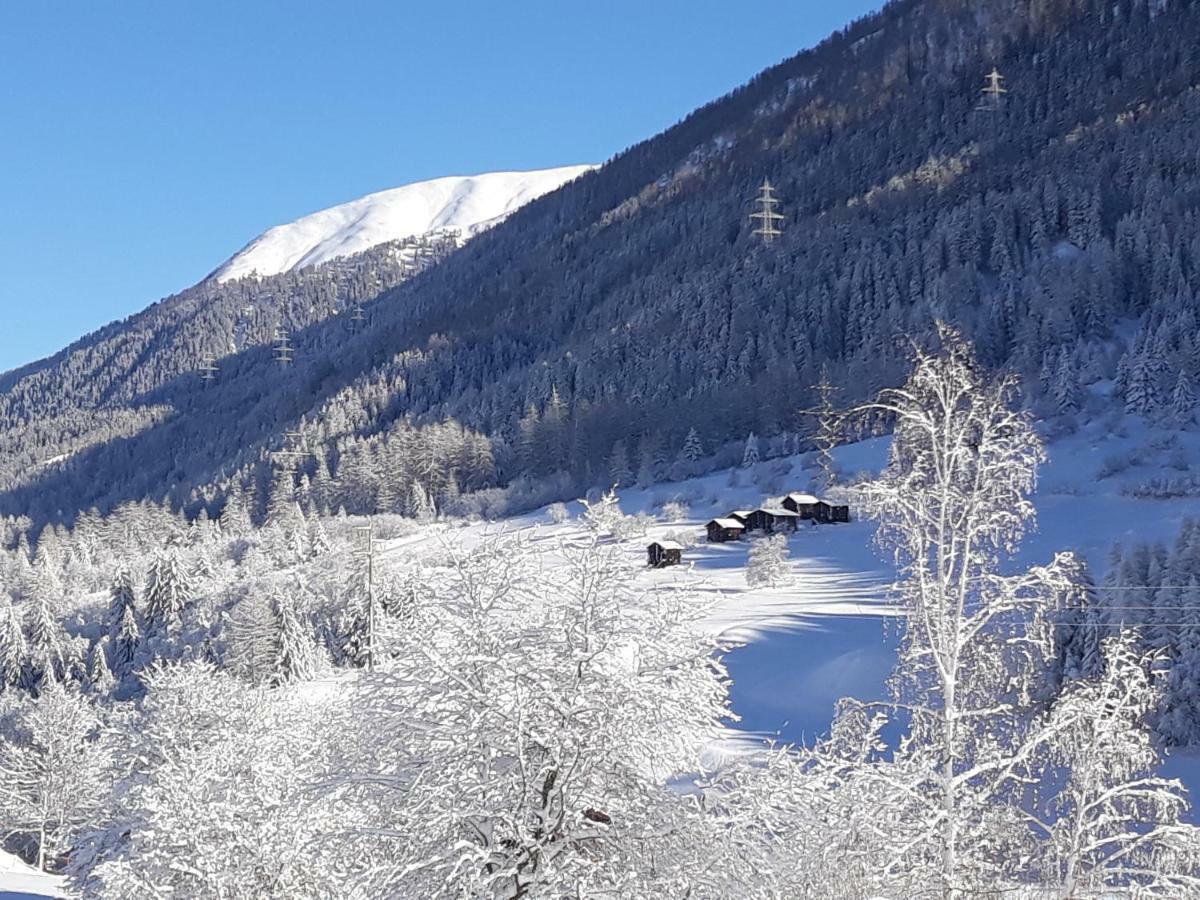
[(750, 454), (13, 648), (295, 658), (1141, 391), (168, 591), (1183, 401)]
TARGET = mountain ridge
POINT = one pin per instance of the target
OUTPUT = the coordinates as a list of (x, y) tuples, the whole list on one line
[(460, 204)]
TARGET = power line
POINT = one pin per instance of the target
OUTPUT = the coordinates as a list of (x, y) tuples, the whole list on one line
[(295, 448)]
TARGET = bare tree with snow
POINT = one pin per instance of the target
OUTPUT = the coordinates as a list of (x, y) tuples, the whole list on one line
[(523, 746), (952, 505), (766, 562), (603, 516), (1114, 825), (52, 766)]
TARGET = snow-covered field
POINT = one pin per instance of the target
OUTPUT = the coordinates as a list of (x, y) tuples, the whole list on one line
[(825, 634), (465, 204), (18, 880)]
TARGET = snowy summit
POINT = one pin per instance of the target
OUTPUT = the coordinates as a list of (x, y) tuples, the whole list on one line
[(467, 204)]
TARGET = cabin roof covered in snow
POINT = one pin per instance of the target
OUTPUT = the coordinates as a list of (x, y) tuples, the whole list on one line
[(798, 497), (778, 511), (668, 545), (727, 523)]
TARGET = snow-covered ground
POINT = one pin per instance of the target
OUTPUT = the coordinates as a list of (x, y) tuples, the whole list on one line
[(19, 881), (463, 204), (825, 633)]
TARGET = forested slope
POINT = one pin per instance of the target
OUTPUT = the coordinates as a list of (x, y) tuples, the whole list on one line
[(594, 328)]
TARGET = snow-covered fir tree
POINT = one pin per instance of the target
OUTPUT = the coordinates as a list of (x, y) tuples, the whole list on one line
[(693, 450), (168, 591), (295, 653), (14, 652), (750, 453)]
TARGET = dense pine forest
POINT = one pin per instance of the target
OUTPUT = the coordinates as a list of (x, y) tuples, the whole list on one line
[(588, 334)]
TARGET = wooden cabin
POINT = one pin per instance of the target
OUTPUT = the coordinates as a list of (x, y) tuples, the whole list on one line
[(741, 515), (772, 520), (815, 509), (665, 553), (803, 505), (726, 529)]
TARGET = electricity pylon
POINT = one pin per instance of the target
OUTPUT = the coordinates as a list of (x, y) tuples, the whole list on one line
[(993, 91), (768, 219), (283, 349), (294, 449), (208, 369)]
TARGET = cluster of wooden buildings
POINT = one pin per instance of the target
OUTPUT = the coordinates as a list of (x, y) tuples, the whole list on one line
[(794, 509)]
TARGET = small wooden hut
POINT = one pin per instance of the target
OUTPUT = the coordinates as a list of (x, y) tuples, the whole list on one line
[(664, 553)]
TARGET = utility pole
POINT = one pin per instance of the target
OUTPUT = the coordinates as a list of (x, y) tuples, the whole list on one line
[(365, 536), (768, 219), (358, 317), (283, 349)]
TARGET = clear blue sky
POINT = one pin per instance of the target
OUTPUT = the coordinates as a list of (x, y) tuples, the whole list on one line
[(142, 142)]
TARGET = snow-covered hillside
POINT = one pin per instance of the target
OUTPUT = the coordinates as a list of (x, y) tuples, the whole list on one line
[(463, 204)]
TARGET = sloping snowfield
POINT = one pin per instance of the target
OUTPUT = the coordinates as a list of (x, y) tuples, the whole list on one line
[(467, 204)]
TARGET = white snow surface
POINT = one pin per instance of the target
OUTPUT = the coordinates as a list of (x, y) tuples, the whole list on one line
[(828, 631), (18, 880), (465, 205)]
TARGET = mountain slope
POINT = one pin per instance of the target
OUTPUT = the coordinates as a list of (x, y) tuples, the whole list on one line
[(464, 205), (583, 337)]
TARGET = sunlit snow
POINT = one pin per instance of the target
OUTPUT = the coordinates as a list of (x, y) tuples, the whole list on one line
[(463, 204)]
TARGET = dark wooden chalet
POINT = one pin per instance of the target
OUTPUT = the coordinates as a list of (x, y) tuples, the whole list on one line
[(727, 529), (815, 509), (772, 520), (665, 553), (804, 505), (741, 515)]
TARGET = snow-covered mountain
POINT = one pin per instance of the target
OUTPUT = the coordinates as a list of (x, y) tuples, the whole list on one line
[(466, 204)]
